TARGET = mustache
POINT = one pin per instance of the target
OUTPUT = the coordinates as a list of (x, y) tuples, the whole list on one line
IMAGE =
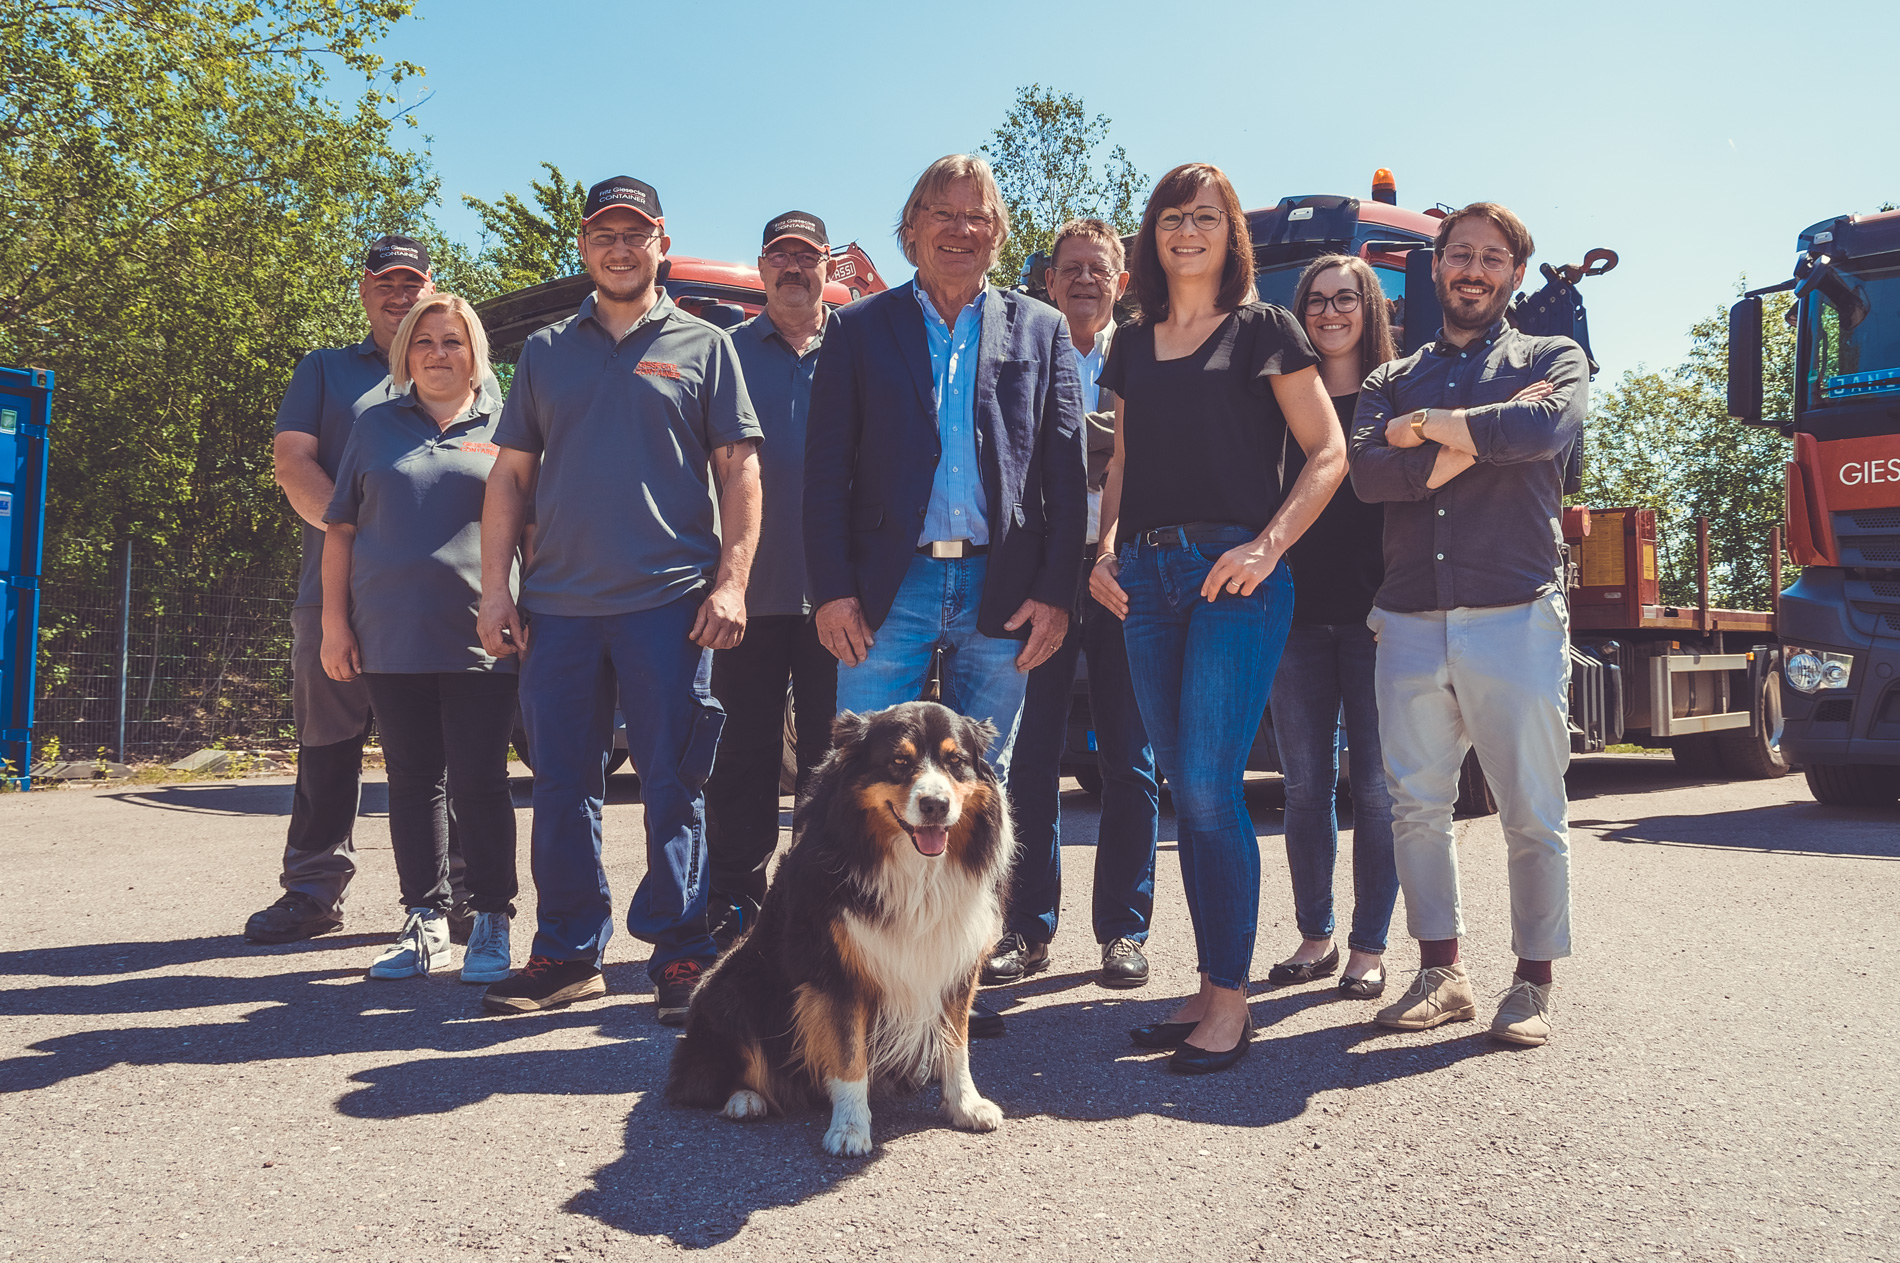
[(793, 278)]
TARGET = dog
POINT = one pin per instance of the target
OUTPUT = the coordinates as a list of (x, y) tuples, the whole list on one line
[(863, 963)]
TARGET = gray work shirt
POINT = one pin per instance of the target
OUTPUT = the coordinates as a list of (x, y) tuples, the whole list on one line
[(414, 494), (329, 390), (779, 381), (1490, 536), (625, 431)]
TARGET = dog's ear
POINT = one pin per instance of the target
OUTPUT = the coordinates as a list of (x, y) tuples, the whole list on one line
[(977, 737), (848, 728)]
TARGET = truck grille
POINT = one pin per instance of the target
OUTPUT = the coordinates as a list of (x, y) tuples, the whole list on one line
[(1876, 519), (1882, 588), (1893, 622), (1873, 547), (1837, 711)]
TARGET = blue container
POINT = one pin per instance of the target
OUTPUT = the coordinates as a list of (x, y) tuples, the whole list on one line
[(26, 410)]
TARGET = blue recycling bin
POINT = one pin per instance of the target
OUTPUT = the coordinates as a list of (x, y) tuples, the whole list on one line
[(26, 409)]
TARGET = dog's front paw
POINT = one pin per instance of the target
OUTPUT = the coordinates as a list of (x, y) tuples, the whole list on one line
[(745, 1104), (973, 1114), (849, 1138)]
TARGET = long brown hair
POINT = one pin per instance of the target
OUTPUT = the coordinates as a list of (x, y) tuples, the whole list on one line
[(1375, 329), (1175, 188)]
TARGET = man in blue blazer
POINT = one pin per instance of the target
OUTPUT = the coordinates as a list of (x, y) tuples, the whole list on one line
[(945, 479)]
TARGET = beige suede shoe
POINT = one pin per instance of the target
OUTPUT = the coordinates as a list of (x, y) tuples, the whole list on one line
[(1524, 1014), (1437, 995)]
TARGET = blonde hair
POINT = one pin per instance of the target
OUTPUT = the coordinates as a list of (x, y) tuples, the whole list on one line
[(932, 184), (456, 305)]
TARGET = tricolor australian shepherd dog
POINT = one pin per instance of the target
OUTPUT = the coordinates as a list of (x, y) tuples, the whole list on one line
[(864, 960)]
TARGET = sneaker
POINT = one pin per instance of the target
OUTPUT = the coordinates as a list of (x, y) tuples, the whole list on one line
[(294, 917), (1437, 995), (422, 945), (1014, 959), (1524, 1015), (1123, 965), (546, 983), (489, 955), (677, 982)]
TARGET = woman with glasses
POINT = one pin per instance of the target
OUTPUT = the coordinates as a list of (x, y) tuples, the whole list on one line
[(401, 582), (1324, 684), (1197, 516)]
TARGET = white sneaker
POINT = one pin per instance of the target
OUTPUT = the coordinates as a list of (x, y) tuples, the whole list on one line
[(489, 953), (422, 945)]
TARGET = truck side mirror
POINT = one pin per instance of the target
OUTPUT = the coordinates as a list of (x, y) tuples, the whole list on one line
[(1744, 361)]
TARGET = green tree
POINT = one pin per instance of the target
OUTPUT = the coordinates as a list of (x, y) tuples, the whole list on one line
[(1044, 156), (526, 245), (189, 187), (1664, 440)]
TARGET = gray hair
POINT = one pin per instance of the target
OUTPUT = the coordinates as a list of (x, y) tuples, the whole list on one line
[(1088, 228), (937, 178)]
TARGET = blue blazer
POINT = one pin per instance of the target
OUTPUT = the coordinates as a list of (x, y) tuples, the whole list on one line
[(872, 447)]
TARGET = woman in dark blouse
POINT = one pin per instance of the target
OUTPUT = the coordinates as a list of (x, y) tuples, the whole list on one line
[(1196, 520), (1325, 675)]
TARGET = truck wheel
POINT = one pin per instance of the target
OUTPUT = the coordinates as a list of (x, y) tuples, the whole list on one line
[(1474, 792), (1854, 784), (1697, 754), (1089, 777), (616, 761), (1754, 753), (788, 749), (519, 740)]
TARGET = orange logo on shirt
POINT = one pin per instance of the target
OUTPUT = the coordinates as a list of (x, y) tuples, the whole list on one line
[(657, 368), (486, 449)]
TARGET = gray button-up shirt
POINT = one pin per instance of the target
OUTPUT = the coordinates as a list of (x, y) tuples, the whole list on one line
[(779, 381), (1490, 536), (625, 431)]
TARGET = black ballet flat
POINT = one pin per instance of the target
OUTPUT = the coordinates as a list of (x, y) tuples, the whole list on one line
[(1286, 974), (1351, 988), (1187, 1059), (1162, 1034)]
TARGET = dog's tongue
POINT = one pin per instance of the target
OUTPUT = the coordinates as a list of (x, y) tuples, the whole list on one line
[(931, 838)]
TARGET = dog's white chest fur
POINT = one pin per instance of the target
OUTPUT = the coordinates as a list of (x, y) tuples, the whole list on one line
[(940, 920)]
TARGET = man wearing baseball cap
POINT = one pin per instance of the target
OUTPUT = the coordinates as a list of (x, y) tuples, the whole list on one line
[(616, 418), (328, 391), (778, 350)]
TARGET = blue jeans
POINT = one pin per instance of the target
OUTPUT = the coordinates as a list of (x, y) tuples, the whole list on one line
[(936, 607), (1202, 673), (1324, 687), (1131, 805), (568, 686)]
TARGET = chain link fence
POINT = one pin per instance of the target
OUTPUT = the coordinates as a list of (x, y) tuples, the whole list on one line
[(164, 665)]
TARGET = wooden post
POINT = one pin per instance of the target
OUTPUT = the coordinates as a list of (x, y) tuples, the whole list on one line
[(1702, 573)]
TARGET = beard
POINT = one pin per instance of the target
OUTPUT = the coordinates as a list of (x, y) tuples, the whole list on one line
[(1469, 314), (624, 291)]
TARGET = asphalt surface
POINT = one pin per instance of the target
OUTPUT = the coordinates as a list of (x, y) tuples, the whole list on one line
[(1720, 1085)]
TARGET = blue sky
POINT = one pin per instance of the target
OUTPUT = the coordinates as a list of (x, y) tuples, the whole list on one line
[(1694, 139)]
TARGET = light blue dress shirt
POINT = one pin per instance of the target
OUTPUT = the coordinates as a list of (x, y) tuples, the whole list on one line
[(959, 507)]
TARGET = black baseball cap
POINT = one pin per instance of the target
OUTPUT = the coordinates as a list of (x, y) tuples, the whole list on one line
[(387, 254), (623, 190), (800, 225)]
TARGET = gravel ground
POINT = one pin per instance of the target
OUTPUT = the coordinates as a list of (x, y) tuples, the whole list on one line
[(1721, 1084)]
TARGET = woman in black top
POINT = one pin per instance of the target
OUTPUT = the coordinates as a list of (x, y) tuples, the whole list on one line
[(1325, 674), (1196, 521)]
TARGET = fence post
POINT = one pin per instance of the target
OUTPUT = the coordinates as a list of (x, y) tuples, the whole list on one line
[(125, 643)]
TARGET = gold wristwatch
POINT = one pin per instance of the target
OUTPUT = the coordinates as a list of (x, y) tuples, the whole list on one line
[(1418, 423)]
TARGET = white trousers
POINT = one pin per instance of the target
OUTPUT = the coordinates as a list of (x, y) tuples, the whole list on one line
[(1497, 679)]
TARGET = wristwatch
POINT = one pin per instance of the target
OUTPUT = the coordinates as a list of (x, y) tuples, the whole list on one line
[(1419, 419)]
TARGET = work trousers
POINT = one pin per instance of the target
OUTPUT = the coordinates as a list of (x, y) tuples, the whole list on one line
[(1498, 680), (750, 681), (445, 737), (573, 671), (1123, 899)]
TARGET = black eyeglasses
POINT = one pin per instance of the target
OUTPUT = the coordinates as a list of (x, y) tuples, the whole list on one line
[(1344, 302), (785, 258), (637, 238), (1492, 258), (1206, 218)]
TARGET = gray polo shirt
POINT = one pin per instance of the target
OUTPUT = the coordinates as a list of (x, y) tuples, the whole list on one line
[(625, 431), (329, 390), (414, 493), (779, 381)]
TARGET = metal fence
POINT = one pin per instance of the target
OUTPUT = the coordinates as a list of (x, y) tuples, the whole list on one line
[(159, 666)]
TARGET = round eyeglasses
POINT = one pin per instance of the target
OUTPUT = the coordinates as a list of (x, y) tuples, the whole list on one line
[(1344, 302), (1491, 258), (1206, 218)]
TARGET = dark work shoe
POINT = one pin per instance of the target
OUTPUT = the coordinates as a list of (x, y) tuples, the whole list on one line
[(985, 1022), (295, 916), (1123, 965), (1014, 959), (546, 983), (677, 982)]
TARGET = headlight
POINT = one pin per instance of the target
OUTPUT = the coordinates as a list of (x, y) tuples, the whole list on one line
[(1815, 670)]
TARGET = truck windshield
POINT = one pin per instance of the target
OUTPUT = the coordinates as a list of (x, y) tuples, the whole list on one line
[(1851, 364), (1276, 286)]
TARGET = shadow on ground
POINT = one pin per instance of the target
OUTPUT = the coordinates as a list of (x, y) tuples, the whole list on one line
[(1800, 828)]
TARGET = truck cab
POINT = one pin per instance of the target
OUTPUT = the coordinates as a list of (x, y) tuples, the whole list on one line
[(1839, 623)]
